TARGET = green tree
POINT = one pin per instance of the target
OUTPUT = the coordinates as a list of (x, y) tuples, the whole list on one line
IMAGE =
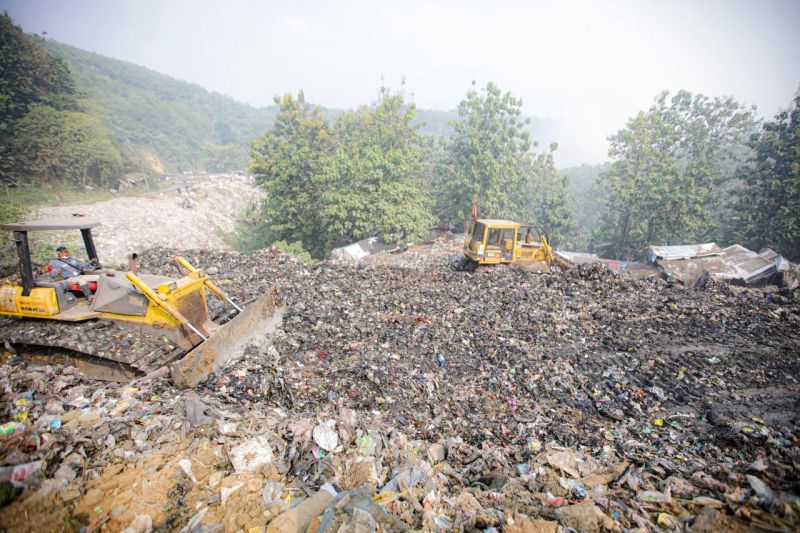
[(65, 147), (375, 184), (30, 76), (165, 124), (328, 185), (90, 156), (670, 178), (768, 208), (548, 203), (46, 137), (38, 145), (487, 159), (290, 163)]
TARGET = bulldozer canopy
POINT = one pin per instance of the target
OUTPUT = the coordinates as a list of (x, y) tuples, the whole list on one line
[(494, 222), (51, 225)]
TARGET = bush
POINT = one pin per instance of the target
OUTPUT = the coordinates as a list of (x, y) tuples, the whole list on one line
[(296, 249)]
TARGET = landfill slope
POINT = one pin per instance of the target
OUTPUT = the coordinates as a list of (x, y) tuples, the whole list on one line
[(437, 400), (188, 215)]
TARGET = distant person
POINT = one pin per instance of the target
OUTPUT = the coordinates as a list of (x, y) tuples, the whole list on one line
[(73, 270), (528, 237)]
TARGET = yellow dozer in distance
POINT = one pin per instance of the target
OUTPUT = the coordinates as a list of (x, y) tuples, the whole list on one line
[(494, 241), (171, 312)]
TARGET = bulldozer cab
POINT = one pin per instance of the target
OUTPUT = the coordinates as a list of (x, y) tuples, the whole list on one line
[(184, 341), (492, 241), (20, 236), (495, 241), (176, 305)]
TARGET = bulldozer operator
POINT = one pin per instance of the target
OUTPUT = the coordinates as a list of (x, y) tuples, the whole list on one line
[(73, 270)]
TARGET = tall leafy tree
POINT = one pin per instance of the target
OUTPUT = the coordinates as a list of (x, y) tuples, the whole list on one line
[(548, 202), (291, 163), (768, 207), (672, 168), (376, 185), (61, 147), (46, 137), (487, 159), (328, 185), (490, 160), (30, 74)]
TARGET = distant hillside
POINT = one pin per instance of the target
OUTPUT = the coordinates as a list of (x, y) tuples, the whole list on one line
[(589, 197), (170, 125), (164, 122)]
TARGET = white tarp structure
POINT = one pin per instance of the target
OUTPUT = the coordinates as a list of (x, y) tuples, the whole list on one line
[(577, 258), (353, 253)]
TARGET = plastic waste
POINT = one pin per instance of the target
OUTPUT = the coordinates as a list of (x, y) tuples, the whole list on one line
[(271, 496), (251, 455), (196, 410), (325, 436)]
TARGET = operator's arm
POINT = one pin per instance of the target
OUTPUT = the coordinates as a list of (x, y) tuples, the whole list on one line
[(78, 264)]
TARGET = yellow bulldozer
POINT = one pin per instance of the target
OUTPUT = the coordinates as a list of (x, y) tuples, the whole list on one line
[(165, 321), (495, 241)]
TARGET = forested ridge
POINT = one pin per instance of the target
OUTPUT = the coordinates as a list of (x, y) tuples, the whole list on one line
[(690, 168), (164, 124), (154, 117), (47, 134)]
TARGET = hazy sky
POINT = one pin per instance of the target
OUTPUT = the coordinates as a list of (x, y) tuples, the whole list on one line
[(587, 65)]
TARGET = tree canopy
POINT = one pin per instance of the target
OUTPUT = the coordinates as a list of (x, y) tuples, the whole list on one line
[(151, 116), (46, 137), (690, 168), (331, 184), (489, 160), (671, 170), (289, 162), (767, 210), (375, 178)]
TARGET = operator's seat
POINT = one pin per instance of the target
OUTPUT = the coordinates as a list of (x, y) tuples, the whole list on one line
[(47, 282)]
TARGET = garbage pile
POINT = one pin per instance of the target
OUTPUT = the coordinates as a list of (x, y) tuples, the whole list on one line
[(420, 398), (195, 215)]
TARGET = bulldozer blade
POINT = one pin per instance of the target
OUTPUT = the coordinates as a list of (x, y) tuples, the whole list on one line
[(255, 325)]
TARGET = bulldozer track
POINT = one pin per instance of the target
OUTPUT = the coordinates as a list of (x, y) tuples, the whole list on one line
[(132, 348)]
